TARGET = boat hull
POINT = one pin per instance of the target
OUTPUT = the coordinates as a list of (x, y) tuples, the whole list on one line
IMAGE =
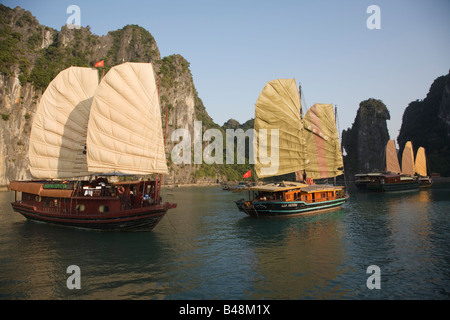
[(273, 209), (425, 182), (392, 187), (95, 205), (386, 182), (142, 219)]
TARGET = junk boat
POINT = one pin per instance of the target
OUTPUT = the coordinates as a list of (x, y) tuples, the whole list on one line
[(84, 134), (307, 146), (394, 178)]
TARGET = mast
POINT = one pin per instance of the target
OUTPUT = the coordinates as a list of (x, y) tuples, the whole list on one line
[(301, 97), (159, 177)]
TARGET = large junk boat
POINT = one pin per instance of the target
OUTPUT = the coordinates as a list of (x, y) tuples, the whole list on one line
[(393, 178), (307, 146), (84, 136)]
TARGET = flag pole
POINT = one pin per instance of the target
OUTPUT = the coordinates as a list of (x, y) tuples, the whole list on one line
[(101, 64)]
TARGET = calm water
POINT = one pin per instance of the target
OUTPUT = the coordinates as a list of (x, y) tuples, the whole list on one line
[(207, 249)]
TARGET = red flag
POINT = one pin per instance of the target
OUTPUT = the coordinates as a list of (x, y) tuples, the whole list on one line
[(247, 174), (100, 64)]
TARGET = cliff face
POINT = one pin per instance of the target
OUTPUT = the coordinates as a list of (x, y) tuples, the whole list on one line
[(426, 123), (31, 55), (364, 143)]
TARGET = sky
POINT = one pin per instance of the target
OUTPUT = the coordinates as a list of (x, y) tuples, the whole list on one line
[(235, 47)]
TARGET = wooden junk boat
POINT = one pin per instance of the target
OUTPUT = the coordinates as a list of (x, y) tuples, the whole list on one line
[(420, 168), (86, 129), (307, 146), (410, 177)]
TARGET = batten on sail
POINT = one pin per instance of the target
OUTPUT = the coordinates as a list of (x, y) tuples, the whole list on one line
[(408, 159), (125, 131), (58, 134), (279, 108), (392, 164), (421, 162), (323, 150)]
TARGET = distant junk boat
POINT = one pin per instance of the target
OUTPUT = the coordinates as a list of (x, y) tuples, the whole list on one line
[(411, 176), (81, 129), (420, 168), (308, 146)]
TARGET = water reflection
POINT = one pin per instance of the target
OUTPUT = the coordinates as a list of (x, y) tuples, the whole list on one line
[(296, 257)]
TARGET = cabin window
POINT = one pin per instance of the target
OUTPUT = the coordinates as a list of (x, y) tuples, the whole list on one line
[(80, 207), (38, 199), (103, 208)]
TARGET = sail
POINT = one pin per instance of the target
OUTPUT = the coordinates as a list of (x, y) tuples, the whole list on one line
[(278, 108), (323, 150), (421, 162), (125, 131), (58, 134), (392, 164), (408, 159)]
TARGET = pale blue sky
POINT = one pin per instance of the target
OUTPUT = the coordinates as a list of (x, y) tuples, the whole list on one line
[(235, 47)]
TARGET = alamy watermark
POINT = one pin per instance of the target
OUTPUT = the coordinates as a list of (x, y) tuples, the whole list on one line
[(374, 281), (374, 20), (74, 281), (213, 152), (74, 20)]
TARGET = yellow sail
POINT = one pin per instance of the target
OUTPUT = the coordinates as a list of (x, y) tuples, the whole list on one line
[(408, 159), (278, 111), (323, 150), (58, 133), (392, 164), (421, 162), (125, 131)]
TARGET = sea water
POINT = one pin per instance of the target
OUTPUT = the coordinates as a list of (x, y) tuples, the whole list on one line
[(378, 246)]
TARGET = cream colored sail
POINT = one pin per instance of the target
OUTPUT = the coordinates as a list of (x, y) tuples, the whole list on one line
[(323, 150), (125, 131), (392, 164), (408, 159), (421, 162), (58, 134), (278, 109)]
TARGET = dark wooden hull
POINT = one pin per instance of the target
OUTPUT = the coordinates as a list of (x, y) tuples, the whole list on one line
[(287, 208), (425, 182), (142, 219), (392, 187), (95, 205), (386, 182)]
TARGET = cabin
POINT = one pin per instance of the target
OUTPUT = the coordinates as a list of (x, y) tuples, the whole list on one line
[(297, 192), (66, 197)]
